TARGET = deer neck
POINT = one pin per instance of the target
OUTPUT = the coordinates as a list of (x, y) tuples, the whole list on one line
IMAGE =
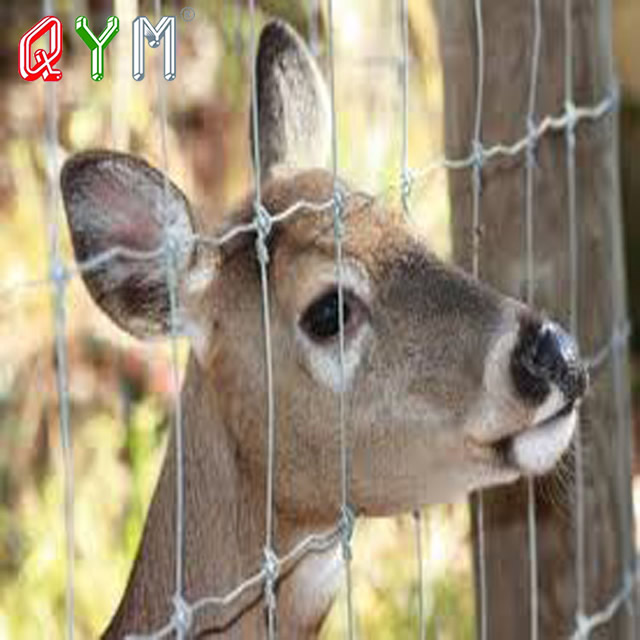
[(224, 534)]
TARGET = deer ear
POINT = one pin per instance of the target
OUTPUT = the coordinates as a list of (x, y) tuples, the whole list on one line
[(118, 203), (294, 115)]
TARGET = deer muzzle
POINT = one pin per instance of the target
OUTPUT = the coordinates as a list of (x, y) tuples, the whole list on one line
[(548, 374)]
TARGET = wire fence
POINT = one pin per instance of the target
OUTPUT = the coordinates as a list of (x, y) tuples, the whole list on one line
[(536, 127)]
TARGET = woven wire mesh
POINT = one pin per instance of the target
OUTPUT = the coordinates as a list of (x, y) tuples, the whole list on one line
[(536, 127)]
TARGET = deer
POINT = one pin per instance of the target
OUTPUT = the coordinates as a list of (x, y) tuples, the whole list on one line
[(449, 386)]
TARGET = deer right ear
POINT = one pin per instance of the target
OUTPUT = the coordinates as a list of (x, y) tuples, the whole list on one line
[(122, 209), (294, 115)]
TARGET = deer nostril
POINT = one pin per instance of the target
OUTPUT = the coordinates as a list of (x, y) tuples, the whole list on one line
[(546, 355)]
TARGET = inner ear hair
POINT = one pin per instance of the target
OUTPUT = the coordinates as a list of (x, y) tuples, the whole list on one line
[(117, 202)]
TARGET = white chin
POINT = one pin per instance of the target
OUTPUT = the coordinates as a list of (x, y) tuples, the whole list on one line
[(537, 450)]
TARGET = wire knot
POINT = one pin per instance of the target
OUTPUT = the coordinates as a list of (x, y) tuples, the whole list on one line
[(406, 186), (262, 250), (477, 162), (172, 248), (338, 210), (532, 142), (271, 565), (263, 220), (264, 224), (271, 568), (59, 274), (477, 155), (182, 617), (582, 626), (172, 244), (346, 527), (572, 119)]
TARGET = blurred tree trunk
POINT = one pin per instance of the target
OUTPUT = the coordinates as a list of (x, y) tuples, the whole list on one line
[(608, 531)]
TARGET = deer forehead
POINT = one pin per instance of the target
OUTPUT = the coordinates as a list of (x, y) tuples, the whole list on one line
[(303, 248)]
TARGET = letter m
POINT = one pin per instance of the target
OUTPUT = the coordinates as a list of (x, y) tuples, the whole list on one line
[(141, 28)]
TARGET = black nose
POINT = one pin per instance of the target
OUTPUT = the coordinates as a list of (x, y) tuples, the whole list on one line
[(546, 355)]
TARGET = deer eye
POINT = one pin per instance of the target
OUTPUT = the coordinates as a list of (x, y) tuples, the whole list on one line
[(321, 319)]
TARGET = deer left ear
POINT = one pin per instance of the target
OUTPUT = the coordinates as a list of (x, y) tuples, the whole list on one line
[(118, 203), (294, 114)]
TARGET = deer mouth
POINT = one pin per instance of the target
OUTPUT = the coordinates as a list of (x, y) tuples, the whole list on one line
[(537, 449)]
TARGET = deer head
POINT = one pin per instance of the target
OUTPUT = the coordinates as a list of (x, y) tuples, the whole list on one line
[(449, 385)]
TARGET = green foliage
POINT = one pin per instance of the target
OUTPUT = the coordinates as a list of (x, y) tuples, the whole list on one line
[(386, 579), (109, 513)]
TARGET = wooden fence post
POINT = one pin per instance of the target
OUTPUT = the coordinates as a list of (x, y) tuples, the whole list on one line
[(508, 29)]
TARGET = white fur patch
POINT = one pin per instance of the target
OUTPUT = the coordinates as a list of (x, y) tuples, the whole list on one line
[(537, 450), (535, 447), (497, 409), (196, 283), (324, 361), (199, 278)]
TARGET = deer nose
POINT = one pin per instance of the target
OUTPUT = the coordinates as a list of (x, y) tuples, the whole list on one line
[(547, 356)]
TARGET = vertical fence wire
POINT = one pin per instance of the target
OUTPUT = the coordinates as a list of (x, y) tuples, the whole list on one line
[(405, 182), (346, 513), (622, 401), (405, 177), (573, 302), (476, 184), (60, 277), (530, 163), (422, 623), (181, 618), (624, 439), (263, 226)]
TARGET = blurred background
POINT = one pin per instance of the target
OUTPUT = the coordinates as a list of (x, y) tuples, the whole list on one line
[(121, 391)]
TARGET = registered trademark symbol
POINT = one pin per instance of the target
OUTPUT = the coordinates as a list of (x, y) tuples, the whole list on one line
[(188, 14)]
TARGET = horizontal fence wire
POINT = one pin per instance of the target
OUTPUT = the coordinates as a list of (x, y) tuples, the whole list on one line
[(479, 156), (556, 124), (585, 625)]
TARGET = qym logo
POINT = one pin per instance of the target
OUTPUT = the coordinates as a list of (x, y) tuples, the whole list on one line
[(45, 60), (142, 28)]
